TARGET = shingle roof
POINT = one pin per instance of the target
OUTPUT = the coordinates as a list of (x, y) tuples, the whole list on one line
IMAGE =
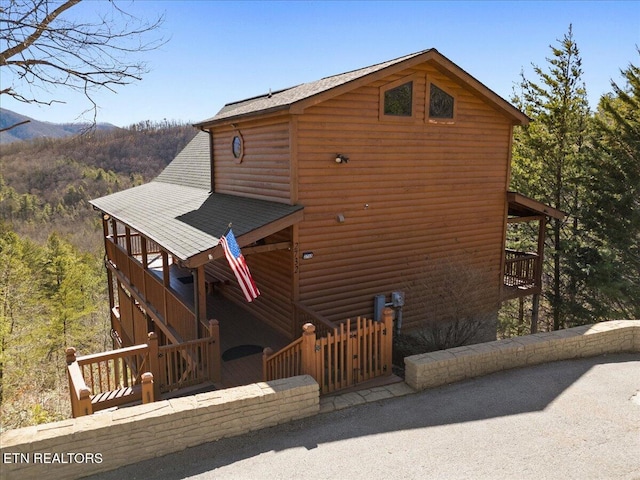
[(177, 211), (288, 96), (192, 166)]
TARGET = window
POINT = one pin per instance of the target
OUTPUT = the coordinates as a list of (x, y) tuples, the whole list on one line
[(237, 148), (440, 104), (398, 101)]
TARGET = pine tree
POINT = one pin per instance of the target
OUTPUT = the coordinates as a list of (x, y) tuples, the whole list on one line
[(548, 160), (612, 212)]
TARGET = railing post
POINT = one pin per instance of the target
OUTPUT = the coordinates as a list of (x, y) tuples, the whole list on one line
[(387, 319), (148, 395), (308, 366), (154, 366), (215, 366), (70, 354), (80, 397), (84, 403), (266, 353)]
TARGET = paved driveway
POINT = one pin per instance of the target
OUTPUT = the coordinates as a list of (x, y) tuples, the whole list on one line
[(575, 419)]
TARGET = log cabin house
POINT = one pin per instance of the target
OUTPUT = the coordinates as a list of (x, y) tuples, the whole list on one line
[(383, 186)]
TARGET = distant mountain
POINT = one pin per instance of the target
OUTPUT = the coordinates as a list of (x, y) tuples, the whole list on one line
[(38, 129)]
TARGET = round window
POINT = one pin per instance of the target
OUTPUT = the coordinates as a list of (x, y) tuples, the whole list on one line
[(236, 147)]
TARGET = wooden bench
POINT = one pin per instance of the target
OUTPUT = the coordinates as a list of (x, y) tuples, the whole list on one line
[(210, 282)]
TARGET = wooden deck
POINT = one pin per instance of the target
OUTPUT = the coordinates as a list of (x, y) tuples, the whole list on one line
[(237, 327)]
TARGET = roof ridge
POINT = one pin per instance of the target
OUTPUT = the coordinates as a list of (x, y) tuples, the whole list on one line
[(348, 72), (390, 62)]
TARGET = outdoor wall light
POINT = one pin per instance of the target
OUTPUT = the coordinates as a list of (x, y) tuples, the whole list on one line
[(340, 158)]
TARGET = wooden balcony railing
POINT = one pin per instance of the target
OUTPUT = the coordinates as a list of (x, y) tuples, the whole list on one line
[(521, 269), (151, 292), (142, 372), (110, 379), (191, 363), (135, 242)]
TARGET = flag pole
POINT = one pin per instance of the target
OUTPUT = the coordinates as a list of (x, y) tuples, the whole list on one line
[(227, 230)]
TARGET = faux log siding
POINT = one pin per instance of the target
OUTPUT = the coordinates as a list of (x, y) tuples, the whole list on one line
[(272, 272), (264, 171), (435, 196)]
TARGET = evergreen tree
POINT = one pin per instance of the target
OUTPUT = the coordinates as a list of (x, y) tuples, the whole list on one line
[(612, 212), (548, 163)]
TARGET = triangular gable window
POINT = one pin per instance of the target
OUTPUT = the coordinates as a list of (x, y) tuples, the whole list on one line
[(440, 103), (398, 101)]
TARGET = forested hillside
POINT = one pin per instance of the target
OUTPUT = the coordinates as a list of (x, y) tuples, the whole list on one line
[(45, 184), (52, 280), (52, 277)]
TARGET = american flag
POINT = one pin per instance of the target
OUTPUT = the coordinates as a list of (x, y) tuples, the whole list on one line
[(239, 266)]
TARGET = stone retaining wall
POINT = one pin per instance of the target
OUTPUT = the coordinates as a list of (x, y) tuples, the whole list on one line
[(108, 440), (104, 441), (433, 369)]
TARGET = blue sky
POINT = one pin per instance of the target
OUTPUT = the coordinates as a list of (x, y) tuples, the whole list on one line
[(219, 52)]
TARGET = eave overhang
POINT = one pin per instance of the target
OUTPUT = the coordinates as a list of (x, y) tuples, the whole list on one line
[(522, 206), (287, 101), (188, 222)]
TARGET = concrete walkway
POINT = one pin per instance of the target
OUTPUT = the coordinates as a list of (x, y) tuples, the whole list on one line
[(576, 419)]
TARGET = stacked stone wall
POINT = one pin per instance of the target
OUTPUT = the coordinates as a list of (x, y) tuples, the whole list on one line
[(104, 441), (433, 369)]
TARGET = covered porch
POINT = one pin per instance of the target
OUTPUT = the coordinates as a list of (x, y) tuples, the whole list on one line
[(243, 337), (160, 241), (522, 264)]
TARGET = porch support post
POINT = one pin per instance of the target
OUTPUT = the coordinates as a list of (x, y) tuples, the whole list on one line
[(541, 237), (145, 255), (201, 295), (166, 281), (308, 366), (154, 367), (215, 364), (127, 237), (535, 310)]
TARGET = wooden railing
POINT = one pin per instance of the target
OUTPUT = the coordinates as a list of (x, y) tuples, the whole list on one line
[(306, 315), (135, 241), (164, 302), (190, 363), (353, 352), (520, 269), (141, 372), (109, 379), (286, 362)]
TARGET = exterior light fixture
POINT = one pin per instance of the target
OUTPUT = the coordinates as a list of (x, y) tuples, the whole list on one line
[(340, 158)]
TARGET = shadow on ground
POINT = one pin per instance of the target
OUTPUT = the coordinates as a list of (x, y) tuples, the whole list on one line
[(502, 394)]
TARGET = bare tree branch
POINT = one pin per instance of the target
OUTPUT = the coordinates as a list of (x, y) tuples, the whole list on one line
[(14, 125), (43, 51)]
